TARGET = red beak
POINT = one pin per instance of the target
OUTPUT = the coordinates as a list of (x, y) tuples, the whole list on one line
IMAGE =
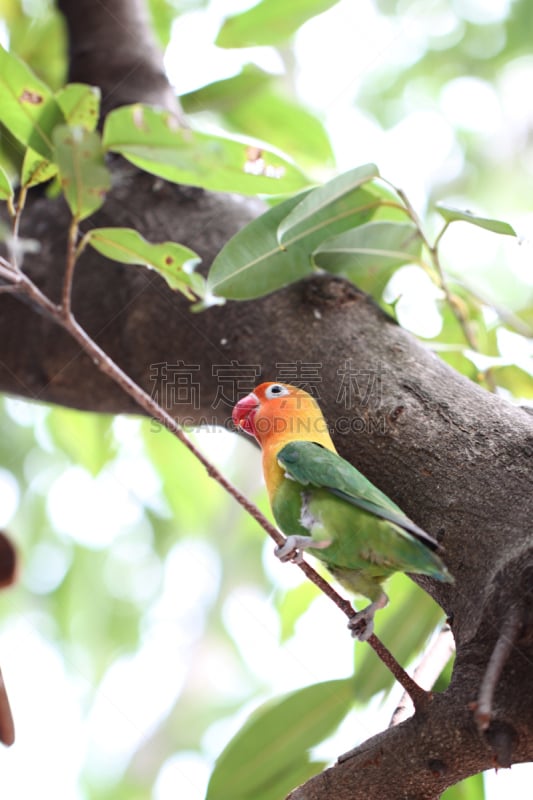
[(244, 413)]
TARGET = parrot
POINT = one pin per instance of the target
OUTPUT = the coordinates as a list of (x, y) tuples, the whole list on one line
[(323, 504)]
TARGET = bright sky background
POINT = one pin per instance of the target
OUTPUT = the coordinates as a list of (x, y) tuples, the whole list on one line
[(54, 734)]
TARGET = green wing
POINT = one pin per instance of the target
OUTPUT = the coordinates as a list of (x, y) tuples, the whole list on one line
[(311, 464)]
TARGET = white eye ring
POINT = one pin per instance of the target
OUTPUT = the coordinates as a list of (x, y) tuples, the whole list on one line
[(276, 390)]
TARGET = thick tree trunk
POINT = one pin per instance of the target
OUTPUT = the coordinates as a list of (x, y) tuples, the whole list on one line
[(456, 458)]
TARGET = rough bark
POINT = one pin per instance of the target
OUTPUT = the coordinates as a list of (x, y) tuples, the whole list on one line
[(111, 45), (456, 458)]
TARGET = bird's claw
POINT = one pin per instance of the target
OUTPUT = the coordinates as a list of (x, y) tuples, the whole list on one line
[(293, 547), (361, 625), (289, 551)]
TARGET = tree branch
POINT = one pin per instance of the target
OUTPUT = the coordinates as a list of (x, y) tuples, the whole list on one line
[(448, 452), (63, 316), (454, 457), (498, 659), (111, 45)]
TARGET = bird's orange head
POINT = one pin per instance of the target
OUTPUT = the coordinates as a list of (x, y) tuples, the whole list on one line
[(278, 413)]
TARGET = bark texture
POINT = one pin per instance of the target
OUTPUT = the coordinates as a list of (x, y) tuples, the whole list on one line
[(456, 458)]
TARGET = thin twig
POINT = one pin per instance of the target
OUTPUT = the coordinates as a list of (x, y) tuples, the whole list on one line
[(6, 264), (106, 365), (427, 672), (433, 250), (27, 287), (418, 695), (506, 316), (452, 300), (7, 271), (71, 259), (16, 213), (498, 659)]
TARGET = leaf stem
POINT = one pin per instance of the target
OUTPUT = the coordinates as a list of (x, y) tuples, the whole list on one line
[(71, 259), (15, 211), (433, 250), (7, 272)]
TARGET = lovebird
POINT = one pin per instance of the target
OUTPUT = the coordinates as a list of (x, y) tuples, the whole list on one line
[(325, 505)]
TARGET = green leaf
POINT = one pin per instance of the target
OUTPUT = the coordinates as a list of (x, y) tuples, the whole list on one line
[(174, 262), (163, 14), (29, 109), (253, 264), (36, 169), (6, 190), (275, 740), (269, 22), (472, 788), (451, 343), (283, 123), (332, 208), (186, 486), (515, 379), (255, 103), (154, 141), (451, 214), (80, 104), (293, 604), (86, 438), (523, 323), (279, 785), (227, 94), (38, 35), (369, 254), (84, 176)]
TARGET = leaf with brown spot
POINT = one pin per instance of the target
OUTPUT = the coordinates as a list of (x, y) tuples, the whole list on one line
[(83, 173), (28, 96), (174, 262), (154, 141), (80, 104), (29, 109)]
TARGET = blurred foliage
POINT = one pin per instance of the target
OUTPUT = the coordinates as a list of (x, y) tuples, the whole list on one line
[(470, 789), (270, 22), (261, 105), (270, 754), (37, 34), (122, 534), (97, 597)]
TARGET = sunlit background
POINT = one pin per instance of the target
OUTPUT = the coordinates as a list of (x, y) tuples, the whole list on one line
[(150, 615)]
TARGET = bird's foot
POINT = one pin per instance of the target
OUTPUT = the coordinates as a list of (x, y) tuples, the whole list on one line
[(361, 625), (292, 549)]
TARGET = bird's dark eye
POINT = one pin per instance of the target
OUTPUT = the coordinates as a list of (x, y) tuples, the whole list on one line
[(276, 390)]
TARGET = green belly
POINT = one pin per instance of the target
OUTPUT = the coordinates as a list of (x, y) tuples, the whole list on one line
[(364, 549), (317, 513)]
